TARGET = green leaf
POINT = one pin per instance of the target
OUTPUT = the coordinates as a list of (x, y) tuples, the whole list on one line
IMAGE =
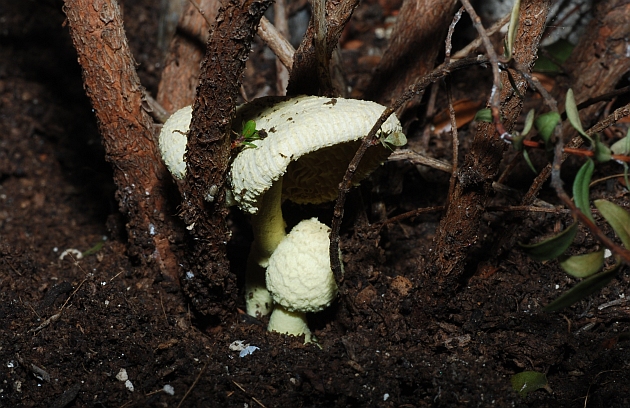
[(574, 116), (529, 381), (512, 28), (602, 152), (583, 266), (94, 249), (396, 139), (622, 146), (529, 161), (483, 115), (529, 122), (555, 54), (581, 189), (249, 129), (582, 290), (618, 218), (553, 247), (545, 124), (625, 175)]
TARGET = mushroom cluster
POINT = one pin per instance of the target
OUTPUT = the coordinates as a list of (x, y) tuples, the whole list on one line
[(309, 143)]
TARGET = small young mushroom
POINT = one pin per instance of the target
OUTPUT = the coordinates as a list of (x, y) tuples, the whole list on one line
[(307, 146), (300, 279)]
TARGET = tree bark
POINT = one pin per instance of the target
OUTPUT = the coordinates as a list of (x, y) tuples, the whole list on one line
[(417, 39), (303, 79), (458, 229), (210, 285), (180, 76), (111, 83)]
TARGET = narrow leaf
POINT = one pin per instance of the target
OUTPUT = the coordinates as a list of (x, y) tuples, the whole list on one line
[(581, 190), (528, 381), (618, 218), (545, 124), (529, 122), (513, 27), (529, 161), (582, 290), (583, 266), (574, 116), (553, 247)]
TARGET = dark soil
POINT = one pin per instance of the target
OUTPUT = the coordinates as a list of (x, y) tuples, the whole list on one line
[(69, 326)]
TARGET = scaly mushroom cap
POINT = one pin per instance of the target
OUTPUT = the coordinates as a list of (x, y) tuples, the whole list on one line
[(299, 276), (172, 141), (310, 140)]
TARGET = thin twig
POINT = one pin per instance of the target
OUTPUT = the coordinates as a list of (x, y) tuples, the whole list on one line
[(192, 386), (455, 140), (240, 387), (276, 42), (495, 99), (449, 35), (420, 159), (413, 91), (282, 25), (464, 52)]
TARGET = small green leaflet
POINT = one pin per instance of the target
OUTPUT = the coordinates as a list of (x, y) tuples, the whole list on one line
[(583, 266), (529, 381), (394, 139)]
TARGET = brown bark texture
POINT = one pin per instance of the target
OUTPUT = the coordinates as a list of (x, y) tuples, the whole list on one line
[(458, 230), (111, 83), (417, 39), (212, 287), (304, 78), (180, 76), (600, 59)]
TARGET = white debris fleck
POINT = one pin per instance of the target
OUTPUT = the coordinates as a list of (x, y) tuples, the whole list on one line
[(76, 254), (122, 375), (129, 385), (169, 389), (238, 345), (243, 348), (189, 275), (385, 397), (607, 253), (247, 351)]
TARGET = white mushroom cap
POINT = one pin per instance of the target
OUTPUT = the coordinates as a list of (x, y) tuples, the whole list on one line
[(305, 128), (172, 141), (299, 276)]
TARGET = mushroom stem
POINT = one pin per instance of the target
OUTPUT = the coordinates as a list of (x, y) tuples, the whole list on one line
[(269, 229), (293, 323)]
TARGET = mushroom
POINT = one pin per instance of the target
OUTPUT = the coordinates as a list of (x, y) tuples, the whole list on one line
[(172, 141), (309, 143), (300, 279)]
